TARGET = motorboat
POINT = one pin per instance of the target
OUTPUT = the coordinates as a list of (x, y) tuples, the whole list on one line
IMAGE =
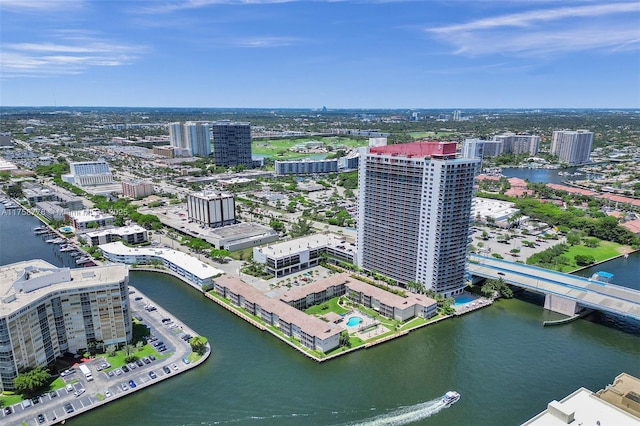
[(450, 398), (82, 260)]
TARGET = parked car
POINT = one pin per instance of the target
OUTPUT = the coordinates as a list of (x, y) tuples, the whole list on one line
[(174, 366), (107, 393), (146, 360), (53, 394), (152, 374), (132, 366), (69, 387), (132, 384), (139, 363), (124, 386), (186, 361), (152, 358), (40, 418), (8, 410), (78, 392), (68, 408), (166, 369), (125, 369)]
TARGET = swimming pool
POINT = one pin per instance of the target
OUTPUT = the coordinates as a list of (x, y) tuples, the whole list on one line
[(353, 321), (463, 299), (66, 229)]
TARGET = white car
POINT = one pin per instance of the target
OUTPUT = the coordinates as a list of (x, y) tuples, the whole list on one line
[(107, 393), (174, 366), (69, 387)]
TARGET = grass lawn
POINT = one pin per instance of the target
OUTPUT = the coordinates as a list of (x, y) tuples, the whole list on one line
[(10, 399), (271, 147), (421, 135), (118, 360), (243, 254), (330, 305), (606, 250)]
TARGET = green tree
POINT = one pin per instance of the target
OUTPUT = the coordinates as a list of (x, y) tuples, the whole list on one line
[(111, 350), (31, 381), (344, 339), (198, 344), (300, 228)]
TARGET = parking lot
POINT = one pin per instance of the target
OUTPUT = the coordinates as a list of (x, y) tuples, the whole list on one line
[(109, 383)]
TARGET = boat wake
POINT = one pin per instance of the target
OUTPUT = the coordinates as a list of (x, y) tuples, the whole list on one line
[(404, 415)]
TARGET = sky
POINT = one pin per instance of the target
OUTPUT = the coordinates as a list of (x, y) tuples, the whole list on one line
[(309, 54)]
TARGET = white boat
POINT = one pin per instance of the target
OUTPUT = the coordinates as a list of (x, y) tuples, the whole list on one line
[(67, 248), (75, 254), (83, 260), (52, 240), (450, 398), (59, 241)]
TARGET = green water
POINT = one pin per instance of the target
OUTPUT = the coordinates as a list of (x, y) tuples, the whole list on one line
[(504, 363)]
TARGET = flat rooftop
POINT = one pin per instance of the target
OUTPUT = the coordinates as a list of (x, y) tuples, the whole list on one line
[(484, 207), (310, 242), (80, 277), (587, 409), (183, 260), (123, 230)]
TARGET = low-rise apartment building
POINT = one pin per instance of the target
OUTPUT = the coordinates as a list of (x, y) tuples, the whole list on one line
[(187, 267), (130, 234)]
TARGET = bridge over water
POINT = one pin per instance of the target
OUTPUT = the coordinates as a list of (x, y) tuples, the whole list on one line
[(564, 293)]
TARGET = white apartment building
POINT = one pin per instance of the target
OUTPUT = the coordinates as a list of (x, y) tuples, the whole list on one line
[(89, 173), (88, 219), (135, 234), (46, 311), (572, 146), (212, 209), (518, 144), (415, 213), (198, 138), (176, 135)]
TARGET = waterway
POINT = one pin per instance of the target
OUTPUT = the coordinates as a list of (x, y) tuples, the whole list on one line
[(543, 175), (504, 363)]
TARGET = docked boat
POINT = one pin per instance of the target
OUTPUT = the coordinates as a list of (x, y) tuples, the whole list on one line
[(67, 248), (82, 260), (75, 254), (52, 240), (59, 241), (450, 397), (40, 228)]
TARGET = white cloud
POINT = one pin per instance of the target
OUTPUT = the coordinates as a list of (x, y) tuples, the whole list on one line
[(196, 4), (608, 27), (261, 42), (40, 5), (72, 53)]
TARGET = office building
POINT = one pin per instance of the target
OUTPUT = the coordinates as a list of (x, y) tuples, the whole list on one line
[(89, 173), (47, 311), (231, 144), (212, 209), (5, 139), (572, 147), (171, 151), (414, 213), (137, 189)]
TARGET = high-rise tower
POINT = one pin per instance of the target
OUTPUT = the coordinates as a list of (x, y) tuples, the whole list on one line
[(232, 144), (573, 147), (415, 213)]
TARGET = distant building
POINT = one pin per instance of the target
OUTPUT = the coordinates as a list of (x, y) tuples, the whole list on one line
[(473, 148), (414, 213), (212, 209), (88, 219), (349, 162), (137, 189), (89, 173), (130, 234), (232, 144), (171, 151), (198, 138), (457, 115), (305, 167), (5, 139), (572, 147), (518, 144), (177, 136), (377, 142), (47, 311)]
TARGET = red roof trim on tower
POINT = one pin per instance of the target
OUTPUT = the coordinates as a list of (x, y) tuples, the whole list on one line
[(417, 149)]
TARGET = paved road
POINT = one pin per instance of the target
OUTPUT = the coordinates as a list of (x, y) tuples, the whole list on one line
[(53, 408)]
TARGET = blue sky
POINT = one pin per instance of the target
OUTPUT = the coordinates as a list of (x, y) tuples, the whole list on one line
[(339, 54)]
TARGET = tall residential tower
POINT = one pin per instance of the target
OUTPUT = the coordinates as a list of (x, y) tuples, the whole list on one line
[(573, 147), (415, 213)]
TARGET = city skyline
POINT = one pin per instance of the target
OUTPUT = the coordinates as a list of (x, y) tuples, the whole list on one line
[(297, 54)]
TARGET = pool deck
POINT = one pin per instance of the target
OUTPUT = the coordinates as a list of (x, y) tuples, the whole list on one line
[(475, 303)]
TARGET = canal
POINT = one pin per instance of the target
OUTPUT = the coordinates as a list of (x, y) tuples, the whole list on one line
[(504, 363)]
